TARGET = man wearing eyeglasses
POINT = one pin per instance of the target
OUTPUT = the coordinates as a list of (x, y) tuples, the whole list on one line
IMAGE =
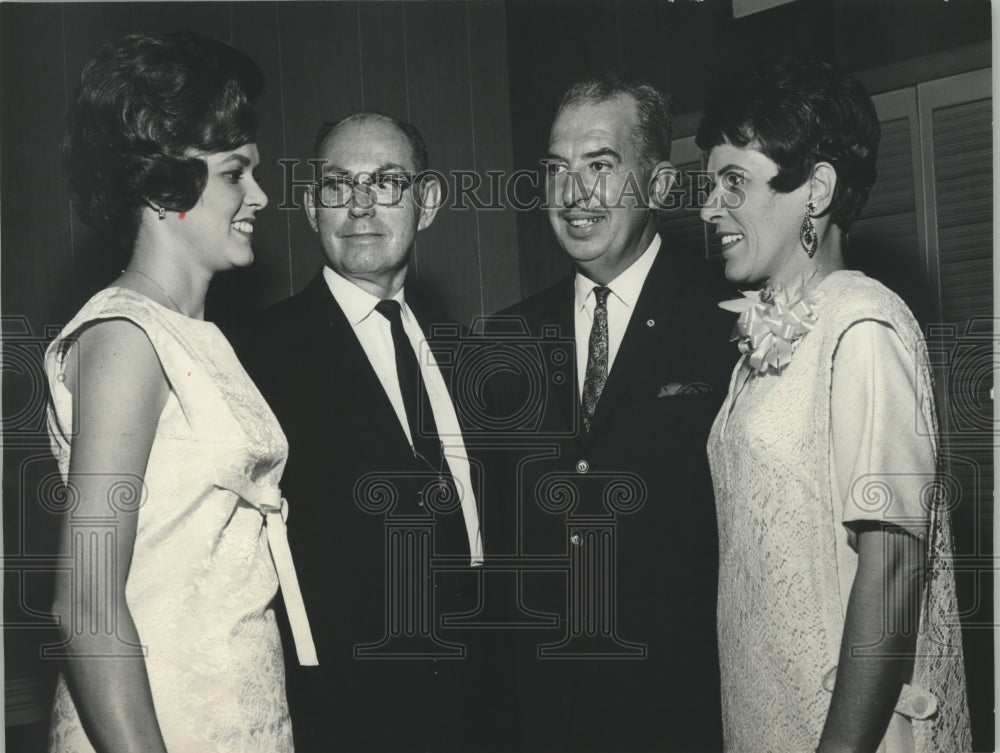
[(378, 478)]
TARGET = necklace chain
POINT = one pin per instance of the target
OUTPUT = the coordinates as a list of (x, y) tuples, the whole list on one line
[(170, 298)]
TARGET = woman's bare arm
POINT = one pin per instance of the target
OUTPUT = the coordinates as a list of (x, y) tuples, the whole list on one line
[(880, 634), (119, 393)]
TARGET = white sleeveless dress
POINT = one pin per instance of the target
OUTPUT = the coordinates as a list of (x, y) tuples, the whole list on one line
[(787, 556), (202, 580)]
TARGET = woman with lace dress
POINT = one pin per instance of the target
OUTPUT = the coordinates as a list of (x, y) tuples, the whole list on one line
[(837, 620), (171, 458)]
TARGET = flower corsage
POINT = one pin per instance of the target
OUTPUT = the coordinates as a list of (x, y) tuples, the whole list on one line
[(772, 320)]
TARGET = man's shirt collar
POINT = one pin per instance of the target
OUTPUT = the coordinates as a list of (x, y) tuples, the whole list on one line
[(356, 302), (628, 285)]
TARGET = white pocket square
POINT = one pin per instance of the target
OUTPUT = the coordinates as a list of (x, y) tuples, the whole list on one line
[(676, 388)]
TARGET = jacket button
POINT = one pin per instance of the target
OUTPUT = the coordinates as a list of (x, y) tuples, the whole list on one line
[(576, 539), (582, 466)]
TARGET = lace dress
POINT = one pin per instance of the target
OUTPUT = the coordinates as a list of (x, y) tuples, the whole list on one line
[(787, 496), (202, 578)]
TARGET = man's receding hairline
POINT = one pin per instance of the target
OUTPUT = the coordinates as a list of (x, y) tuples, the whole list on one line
[(362, 117), (595, 100)]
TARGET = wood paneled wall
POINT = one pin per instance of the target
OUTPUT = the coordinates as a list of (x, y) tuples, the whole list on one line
[(480, 79), (440, 65), (685, 46)]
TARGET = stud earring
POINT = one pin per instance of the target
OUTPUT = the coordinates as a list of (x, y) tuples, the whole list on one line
[(807, 232), (161, 213)]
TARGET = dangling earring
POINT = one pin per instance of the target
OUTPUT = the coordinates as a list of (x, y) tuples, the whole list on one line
[(161, 213), (807, 232)]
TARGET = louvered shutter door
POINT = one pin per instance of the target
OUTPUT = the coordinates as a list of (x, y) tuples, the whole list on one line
[(962, 140), (956, 120), (887, 241), (963, 181), (957, 143)]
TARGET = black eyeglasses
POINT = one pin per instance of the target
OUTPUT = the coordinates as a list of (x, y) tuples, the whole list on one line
[(337, 189)]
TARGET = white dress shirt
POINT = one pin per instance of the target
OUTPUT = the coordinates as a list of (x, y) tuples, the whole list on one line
[(375, 335), (625, 289)]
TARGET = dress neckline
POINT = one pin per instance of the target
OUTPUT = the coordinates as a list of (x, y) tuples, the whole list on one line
[(743, 375), (116, 290)]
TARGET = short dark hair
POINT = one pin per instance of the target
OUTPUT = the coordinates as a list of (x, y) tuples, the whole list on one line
[(798, 112), (652, 107), (418, 147), (144, 102)]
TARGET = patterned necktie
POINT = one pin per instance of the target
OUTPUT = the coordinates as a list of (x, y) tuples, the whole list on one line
[(597, 356)]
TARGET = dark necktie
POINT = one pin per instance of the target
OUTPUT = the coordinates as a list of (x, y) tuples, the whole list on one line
[(420, 417), (597, 356), (427, 447)]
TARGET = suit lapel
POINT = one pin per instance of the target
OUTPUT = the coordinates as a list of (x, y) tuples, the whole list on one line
[(348, 369), (566, 394), (440, 333), (440, 336), (650, 332)]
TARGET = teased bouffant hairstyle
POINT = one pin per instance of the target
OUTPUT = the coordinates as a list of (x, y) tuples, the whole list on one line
[(799, 112), (418, 147), (145, 102), (652, 108)]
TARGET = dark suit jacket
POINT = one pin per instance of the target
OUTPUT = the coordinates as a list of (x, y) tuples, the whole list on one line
[(631, 503), (341, 428)]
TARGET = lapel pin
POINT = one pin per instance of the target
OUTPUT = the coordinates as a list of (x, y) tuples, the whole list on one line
[(650, 322)]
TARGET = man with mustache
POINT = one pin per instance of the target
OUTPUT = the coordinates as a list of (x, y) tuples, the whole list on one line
[(377, 464), (625, 495)]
